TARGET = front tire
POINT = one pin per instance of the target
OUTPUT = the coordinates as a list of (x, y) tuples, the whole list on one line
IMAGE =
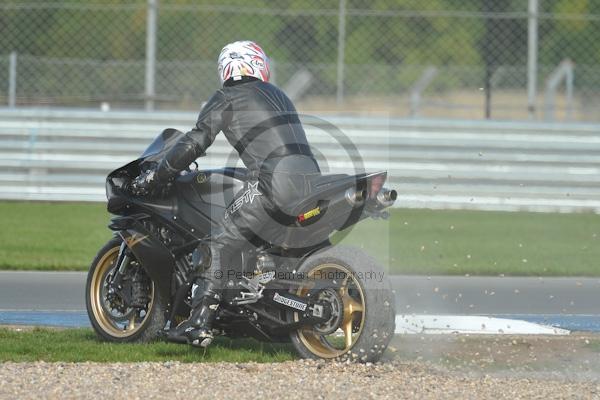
[(133, 325), (367, 321)]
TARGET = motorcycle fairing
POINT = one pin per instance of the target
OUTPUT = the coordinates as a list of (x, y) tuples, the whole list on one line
[(153, 255)]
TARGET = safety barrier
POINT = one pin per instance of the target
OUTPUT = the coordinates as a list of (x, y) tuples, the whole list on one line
[(64, 155)]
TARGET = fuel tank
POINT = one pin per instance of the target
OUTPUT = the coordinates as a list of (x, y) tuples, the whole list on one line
[(204, 195)]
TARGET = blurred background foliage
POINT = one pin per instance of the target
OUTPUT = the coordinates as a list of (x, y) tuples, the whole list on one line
[(388, 44), (411, 31)]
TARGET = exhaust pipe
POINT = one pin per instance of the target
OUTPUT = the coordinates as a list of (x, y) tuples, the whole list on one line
[(386, 197), (355, 198)]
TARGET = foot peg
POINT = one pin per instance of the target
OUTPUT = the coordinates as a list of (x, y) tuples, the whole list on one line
[(255, 285)]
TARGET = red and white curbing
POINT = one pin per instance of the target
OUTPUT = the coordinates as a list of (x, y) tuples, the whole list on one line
[(467, 324)]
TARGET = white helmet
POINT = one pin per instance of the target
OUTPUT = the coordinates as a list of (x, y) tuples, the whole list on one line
[(243, 58)]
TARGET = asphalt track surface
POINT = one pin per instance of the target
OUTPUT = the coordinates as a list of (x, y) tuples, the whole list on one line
[(33, 297)]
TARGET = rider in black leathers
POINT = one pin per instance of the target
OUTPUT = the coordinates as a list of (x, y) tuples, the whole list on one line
[(262, 124)]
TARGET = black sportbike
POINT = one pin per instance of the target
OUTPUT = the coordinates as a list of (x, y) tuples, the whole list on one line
[(328, 301)]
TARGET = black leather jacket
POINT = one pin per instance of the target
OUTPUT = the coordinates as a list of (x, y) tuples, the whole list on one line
[(258, 120)]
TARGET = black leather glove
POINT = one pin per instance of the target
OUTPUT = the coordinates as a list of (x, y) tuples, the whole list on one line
[(147, 185)]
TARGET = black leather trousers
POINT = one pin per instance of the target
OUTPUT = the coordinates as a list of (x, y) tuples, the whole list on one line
[(260, 210)]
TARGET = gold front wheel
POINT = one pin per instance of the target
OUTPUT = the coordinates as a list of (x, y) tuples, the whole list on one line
[(110, 312)]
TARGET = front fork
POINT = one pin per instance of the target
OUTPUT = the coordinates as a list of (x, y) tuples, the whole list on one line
[(122, 264)]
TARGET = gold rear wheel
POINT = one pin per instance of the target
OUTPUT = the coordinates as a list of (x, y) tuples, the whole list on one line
[(348, 301), (358, 293)]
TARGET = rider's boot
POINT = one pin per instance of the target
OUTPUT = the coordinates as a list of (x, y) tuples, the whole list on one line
[(197, 329)]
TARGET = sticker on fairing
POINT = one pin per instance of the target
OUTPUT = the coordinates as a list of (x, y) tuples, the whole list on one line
[(307, 215), (289, 302)]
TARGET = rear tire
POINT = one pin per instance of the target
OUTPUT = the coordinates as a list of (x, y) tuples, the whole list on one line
[(104, 324), (370, 337)]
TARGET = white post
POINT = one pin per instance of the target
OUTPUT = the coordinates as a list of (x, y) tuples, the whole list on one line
[(151, 28), (570, 83), (341, 49), (12, 80), (532, 54), (565, 71), (415, 94)]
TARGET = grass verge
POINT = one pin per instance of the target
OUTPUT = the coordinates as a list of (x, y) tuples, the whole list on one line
[(51, 236), (80, 345), (66, 236), (454, 242)]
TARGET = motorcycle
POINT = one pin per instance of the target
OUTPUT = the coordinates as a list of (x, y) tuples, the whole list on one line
[(329, 301)]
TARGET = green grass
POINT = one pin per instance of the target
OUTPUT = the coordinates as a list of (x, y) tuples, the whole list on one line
[(66, 236), (79, 345), (483, 243), (52, 236)]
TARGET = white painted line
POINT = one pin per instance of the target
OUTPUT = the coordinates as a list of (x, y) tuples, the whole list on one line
[(445, 324)]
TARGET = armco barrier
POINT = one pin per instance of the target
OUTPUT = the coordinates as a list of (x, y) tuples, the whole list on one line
[(64, 155)]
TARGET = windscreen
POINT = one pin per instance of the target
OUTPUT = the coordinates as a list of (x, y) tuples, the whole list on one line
[(163, 143)]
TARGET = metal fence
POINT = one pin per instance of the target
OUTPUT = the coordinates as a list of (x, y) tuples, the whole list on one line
[(510, 59)]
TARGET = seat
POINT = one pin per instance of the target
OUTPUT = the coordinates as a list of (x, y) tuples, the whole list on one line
[(322, 180), (322, 188)]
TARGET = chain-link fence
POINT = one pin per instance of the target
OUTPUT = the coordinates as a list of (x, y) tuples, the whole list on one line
[(510, 59)]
